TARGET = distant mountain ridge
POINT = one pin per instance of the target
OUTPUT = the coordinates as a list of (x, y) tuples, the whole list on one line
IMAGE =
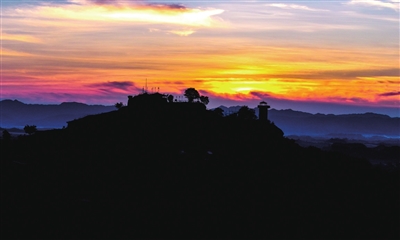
[(302, 123), (14, 113)]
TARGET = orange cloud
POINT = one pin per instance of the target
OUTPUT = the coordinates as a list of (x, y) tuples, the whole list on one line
[(12, 53)]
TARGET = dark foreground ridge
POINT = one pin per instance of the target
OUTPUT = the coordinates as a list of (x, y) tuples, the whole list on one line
[(176, 170)]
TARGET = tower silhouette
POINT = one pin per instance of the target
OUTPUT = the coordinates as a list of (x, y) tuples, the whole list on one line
[(263, 111)]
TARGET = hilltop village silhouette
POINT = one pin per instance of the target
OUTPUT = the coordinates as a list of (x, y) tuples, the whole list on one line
[(192, 96), (160, 168)]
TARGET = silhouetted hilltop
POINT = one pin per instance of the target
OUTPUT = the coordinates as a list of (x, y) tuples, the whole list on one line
[(180, 123), (159, 169), (17, 114)]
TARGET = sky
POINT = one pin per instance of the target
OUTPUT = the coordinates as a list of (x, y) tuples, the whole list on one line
[(318, 56)]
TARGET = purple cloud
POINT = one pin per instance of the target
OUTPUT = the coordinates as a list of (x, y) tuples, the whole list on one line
[(138, 3), (112, 2), (101, 2), (169, 6), (124, 85), (260, 95), (388, 94)]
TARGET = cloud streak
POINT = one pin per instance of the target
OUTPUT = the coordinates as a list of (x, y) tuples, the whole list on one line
[(120, 11), (389, 94), (20, 38), (125, 85), (295, 7), (391, 4), (134, 3)]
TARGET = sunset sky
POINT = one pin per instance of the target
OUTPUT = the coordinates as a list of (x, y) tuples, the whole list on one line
[(316, 56)]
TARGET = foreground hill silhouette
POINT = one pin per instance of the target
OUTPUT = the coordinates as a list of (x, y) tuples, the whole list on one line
[(176, 170)]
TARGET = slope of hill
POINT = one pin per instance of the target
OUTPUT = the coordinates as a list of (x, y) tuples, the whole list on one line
[(176, 170)]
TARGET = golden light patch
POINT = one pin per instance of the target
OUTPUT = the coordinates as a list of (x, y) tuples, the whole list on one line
[(11, 53), (20, 38), (187, 17), (183, 33)]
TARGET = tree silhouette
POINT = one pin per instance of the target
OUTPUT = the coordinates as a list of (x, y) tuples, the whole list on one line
[(6, 135), (191, 94), (170, 98), (246, 113), (204, 100), (119, 105), (219, 112), (30, 129)]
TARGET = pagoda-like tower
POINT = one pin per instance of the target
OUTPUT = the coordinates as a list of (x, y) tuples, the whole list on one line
[(263, 111)]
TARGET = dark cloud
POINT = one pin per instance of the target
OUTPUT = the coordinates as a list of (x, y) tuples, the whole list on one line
[(391, 72), (114, 2), (101, 2), (388, 94), (169, 6), (339, 74), (168, 83), (260, 95), (358, 100), (124, 85), (205, 92)]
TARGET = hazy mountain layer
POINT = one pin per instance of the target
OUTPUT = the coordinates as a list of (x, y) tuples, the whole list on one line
[(18, 114), (301, 123)]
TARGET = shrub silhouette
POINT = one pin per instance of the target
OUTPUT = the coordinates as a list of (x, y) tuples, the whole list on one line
[(170, 98), (218, 112), (119, 105), (30, 129), (246, 113), (6, 135), (204, 100), (191, 94)]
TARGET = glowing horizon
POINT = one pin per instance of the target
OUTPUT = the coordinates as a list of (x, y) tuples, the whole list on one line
[(344, 52)]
